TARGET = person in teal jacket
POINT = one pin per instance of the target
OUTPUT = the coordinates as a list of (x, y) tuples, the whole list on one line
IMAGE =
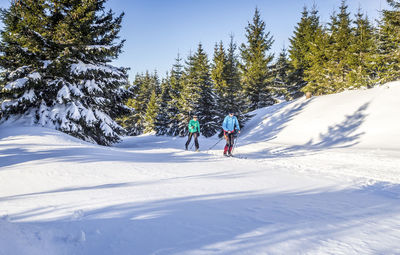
[(194, 130), (230, 126)]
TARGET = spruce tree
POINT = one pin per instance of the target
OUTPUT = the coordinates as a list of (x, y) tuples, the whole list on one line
[(198, 96), (163, 118), (188, 98), (304, 36), (55, 58), (142, 89), (133, 122), (256, 74), (174, 105), (219, 76), (317, 57), (329, 55), (282, 69), (388, 60), (149, 123), (226, 78), (341, 37), (361, 53), (237, 104)]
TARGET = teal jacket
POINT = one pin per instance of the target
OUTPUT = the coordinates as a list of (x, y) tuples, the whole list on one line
[(194, 126)]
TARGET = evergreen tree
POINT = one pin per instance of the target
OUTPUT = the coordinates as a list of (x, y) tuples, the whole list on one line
[(317, 57), (133, 122), (388, 60), (149, 124), (198, 95), (304, 36), (163, 118), (339, 51), (329, 55), (281, 70), (256, 74), (174, 105), (220, 76), (234, 86), (361, 53), (55, 59), (142, 89), (189, 96)]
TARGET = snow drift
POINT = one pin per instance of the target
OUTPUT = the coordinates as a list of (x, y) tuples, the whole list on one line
[(317, 176)]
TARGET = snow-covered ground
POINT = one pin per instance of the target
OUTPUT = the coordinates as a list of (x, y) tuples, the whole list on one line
[(318, 176)]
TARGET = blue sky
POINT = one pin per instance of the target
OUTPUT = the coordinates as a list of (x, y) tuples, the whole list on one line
[(156, 30)]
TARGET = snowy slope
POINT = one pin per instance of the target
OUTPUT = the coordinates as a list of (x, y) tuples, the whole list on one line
[(357, 118), (312, 179)]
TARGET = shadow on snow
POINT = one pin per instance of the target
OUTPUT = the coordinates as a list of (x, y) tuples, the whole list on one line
[(341, 135), (226, 223)]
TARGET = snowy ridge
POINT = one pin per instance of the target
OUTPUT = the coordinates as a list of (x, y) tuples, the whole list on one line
[(315, 179)]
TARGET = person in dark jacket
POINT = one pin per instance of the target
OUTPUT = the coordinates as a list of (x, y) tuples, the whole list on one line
[(230, 126), (194, 130)]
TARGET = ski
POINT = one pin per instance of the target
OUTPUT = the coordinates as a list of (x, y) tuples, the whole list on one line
[(236, 156)]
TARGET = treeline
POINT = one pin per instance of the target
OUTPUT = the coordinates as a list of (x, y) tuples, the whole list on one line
[(239, 79), (346, 53), (56, 71)]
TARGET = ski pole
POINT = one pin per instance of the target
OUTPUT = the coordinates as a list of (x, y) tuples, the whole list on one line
[(234, 145), (216, 143)]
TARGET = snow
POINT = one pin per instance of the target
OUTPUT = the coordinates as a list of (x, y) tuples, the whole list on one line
[(21, 82), (81, 67), (29, 95), (18, 71), (73, 111), (76, 91), (17, 84), (35, 76), (89, 115), (63, 93), (317, 176), (91, 86), (104, 117), (98, 47), (46, 63)]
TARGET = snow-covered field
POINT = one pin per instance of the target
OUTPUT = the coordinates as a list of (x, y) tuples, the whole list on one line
[(318, 176)]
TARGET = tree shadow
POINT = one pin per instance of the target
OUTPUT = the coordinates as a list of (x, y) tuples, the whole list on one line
[(271, 126), (341, 135), (224, 175), (223, 223), (17, 153)]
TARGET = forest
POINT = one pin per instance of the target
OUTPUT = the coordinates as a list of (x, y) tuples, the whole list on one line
[(56, 70)]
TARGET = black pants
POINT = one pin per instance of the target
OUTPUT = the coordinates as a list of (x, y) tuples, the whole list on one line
[(230, 139), (196, 142)]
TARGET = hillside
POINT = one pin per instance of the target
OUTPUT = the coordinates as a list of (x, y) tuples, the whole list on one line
[(317, 176), (356, 118)]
